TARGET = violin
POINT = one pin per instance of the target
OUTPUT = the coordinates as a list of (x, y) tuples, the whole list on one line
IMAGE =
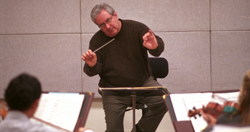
[(215, 109), (3, 110)]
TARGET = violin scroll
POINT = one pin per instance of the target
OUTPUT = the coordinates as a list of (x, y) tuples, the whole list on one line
[(194, 112)]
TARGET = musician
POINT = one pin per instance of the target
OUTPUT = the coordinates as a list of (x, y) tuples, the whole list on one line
[(124, 63), (242, 116), (22, 96)]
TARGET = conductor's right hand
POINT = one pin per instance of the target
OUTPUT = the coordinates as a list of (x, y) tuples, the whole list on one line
[(89, 57)]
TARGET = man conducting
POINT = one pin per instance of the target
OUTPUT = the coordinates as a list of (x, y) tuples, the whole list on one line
[(124, 63)]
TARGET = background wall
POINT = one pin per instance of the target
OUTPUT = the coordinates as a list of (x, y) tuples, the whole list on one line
[(207, 42)]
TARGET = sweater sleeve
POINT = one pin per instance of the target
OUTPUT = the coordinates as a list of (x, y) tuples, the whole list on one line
[(97, 68), (157, 52), (92, 71)]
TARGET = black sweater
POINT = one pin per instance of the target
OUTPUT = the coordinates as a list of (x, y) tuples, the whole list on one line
[(123, 62)]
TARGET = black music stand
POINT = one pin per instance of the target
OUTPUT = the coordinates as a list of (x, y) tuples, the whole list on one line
[(136, 91)]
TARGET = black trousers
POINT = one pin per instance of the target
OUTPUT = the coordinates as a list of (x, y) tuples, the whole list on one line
[(115, 107)]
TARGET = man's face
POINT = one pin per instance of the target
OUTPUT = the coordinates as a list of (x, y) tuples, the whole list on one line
[(108, 23)]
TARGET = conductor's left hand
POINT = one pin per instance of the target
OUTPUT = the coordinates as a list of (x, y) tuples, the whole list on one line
[(149, 40)]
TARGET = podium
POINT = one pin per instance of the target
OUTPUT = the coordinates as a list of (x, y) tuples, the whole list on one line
[(133, 92)]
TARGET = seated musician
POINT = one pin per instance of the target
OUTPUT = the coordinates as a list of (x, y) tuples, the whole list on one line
[(241, 116), (22, 96)]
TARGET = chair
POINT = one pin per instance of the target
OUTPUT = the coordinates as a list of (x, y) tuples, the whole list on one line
[(160, 69)]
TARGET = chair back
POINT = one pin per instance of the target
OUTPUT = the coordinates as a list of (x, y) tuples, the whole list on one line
[(159, 67)]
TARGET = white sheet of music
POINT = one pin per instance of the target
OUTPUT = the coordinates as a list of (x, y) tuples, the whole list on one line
[(228, 128), (179, 105), (182, 103), (60, 109), (198, 102)]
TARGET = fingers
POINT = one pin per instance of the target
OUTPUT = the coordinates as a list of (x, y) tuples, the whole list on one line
[(149, 40), (81, 129), (88, 55), (90, 58), (147, 35), (150, 32), (208, 118)]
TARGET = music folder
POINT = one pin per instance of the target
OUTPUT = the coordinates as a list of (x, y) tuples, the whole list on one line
[(64, 111)]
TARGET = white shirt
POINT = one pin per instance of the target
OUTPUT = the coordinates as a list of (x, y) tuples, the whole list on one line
[(16, 121)]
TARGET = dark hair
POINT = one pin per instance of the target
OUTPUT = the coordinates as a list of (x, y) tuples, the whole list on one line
[(22, 91), (98, 8)]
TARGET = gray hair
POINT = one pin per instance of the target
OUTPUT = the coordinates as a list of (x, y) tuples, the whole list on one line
[(98, 8)]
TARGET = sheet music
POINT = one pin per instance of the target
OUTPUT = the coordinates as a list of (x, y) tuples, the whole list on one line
[(179, 105), (60, 109), (228, 128), (184, 102), (232, 96), (199, 123), (198, 102)]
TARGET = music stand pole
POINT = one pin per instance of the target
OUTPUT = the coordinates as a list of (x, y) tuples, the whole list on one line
[(133, 106)]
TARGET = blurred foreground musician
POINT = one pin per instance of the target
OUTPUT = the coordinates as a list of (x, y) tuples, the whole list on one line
[(22, 96)]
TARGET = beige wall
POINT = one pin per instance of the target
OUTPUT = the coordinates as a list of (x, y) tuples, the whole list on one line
[(207, 42)]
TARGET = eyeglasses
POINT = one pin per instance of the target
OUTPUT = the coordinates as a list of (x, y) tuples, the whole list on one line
[(108, 21)]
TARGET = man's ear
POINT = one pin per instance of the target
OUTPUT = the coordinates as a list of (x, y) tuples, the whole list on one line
[(35, 104), (31, 111), (115, 14)]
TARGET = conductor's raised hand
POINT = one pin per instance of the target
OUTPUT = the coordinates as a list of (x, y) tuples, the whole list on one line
[(149, 40), (89, 57)]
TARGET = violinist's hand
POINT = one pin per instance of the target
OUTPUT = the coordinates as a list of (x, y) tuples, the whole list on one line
[(149, 40), (83, 129), (89, 57), (211, 121)]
